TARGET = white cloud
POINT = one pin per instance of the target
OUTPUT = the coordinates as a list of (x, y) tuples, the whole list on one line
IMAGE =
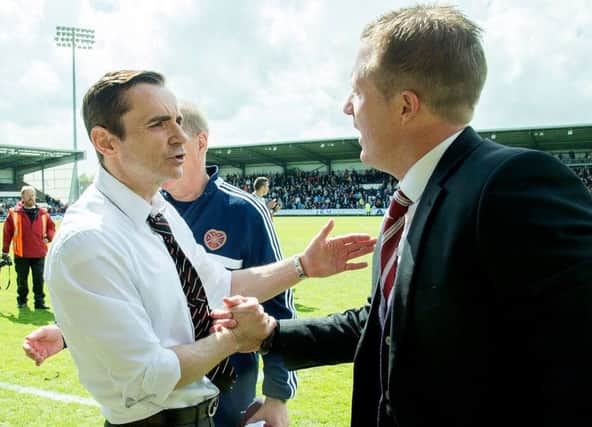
[(289, 22), (19, 21), (265, 70), (40, 78)]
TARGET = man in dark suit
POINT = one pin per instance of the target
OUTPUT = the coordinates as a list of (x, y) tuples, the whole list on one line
[(490, 314)]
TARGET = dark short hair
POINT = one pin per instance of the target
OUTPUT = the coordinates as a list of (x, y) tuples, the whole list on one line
[(260, 182), (105, 102)]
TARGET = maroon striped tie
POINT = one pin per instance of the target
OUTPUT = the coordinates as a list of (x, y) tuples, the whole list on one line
[(223, 374), (391, 235)]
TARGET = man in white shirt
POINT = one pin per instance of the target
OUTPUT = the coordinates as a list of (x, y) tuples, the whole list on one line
[(115, 287)]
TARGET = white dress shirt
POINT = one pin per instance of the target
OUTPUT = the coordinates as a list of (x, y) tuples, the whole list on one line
[(413, 184), (118, 300)]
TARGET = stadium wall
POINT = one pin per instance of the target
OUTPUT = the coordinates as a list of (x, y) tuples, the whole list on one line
[(329, 212)]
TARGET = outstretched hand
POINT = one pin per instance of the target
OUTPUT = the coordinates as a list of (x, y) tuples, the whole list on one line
[(43, 343), (326, 256)]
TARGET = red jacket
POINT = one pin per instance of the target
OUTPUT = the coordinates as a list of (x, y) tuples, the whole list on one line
[(27, 239)]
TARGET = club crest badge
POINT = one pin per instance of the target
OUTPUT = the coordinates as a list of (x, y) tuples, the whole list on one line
[(214, 239)]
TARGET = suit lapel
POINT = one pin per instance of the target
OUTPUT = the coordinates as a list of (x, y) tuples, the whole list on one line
[(465, 143)]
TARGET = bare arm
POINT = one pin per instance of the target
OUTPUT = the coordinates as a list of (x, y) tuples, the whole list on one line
[(253, 325), (322, 257), (199, 358)]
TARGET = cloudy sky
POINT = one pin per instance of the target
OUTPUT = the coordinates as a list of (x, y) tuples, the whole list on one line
[(267, 70)]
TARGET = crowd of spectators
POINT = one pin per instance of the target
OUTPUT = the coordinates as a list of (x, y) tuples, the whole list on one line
[(321, 190), (353, 189), (347, 189), (54, 206), (585, 174), (580, 163)]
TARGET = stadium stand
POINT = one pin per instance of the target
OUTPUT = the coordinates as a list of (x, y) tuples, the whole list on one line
[(315, 175), (351, 189), (18, 161), (10, 195), (585, 174), (348, 189)]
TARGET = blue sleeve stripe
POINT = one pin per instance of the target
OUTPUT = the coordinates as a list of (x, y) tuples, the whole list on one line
[(293, 383), (262, 209), (289, 296), (230, 189), (292, 377), (292, 380), (264, 212)]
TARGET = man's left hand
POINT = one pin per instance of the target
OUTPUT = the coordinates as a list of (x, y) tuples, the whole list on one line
[(43, 342)]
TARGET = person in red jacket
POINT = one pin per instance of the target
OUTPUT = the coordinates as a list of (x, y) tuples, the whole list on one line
[(30, 228)]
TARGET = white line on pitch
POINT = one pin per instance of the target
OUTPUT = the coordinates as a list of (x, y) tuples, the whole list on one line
[(61, 397)]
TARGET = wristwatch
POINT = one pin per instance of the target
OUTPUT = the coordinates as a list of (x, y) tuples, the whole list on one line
[(298, 267), (267, 343)]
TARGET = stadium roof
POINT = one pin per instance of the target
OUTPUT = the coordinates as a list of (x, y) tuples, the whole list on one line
[(327, 151), (30, 159)]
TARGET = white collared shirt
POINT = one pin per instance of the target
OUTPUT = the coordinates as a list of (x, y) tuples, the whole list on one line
[(118, 300), (413, 185)]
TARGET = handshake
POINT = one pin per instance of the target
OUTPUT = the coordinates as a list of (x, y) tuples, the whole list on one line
[(5, 260), (245, 318)]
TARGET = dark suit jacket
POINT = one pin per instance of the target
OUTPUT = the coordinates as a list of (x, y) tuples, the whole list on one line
[(492, 311)]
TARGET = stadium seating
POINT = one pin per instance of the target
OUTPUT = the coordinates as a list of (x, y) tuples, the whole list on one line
[(352, 189)]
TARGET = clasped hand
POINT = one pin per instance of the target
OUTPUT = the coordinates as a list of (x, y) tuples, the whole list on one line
[(246, 319)]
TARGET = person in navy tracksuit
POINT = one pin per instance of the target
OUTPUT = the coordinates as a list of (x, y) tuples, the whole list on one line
[(238, 231)]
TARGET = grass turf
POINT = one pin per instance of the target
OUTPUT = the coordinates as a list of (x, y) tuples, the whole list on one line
[(324, 394)]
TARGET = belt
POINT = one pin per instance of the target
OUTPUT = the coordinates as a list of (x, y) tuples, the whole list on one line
[(177, 416)]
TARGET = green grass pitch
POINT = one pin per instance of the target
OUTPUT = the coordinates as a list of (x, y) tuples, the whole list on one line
[(324, 394)]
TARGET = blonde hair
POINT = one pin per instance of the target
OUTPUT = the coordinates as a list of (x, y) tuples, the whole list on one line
[(28, 188), (435, 51), (194, 120)]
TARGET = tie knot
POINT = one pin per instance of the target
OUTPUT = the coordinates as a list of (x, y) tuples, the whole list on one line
[(159, 224), (399, 204)]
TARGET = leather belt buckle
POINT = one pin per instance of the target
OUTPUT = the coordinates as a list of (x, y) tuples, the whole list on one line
[(212, 406)]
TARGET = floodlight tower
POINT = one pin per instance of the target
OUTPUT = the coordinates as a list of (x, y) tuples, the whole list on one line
[(74, 38)]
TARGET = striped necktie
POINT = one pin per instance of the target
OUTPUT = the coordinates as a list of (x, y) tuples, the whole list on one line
[(391, 235), (223, 374)]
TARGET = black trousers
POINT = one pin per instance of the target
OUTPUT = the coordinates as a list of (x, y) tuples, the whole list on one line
[(201, 415), (164, 422), (22, 267)]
